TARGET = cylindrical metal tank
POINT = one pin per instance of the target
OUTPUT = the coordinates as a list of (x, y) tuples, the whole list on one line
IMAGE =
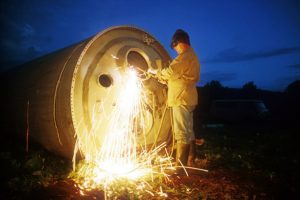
[(63, 93)]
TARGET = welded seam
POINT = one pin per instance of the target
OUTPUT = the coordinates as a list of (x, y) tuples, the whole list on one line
[(55, 93)]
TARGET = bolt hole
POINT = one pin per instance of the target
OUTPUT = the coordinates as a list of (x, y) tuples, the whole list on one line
[(105, 80)]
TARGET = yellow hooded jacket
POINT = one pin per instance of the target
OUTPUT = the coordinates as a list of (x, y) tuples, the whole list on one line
[(182, 76)]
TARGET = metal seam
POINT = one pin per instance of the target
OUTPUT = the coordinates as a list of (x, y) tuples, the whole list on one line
[(55, 93)]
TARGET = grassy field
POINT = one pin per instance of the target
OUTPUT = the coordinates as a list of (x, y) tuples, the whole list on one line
[(244, 162), (263, 159)]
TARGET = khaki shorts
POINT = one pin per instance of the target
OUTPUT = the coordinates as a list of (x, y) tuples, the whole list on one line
[(182, 123)]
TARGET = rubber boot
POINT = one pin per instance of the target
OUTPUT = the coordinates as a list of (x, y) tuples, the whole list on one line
[(192, 154), (182, 153)]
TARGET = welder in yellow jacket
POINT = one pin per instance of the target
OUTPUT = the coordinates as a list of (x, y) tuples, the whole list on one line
[(181, 77)]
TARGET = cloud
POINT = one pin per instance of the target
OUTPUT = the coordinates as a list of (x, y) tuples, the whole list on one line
[(295, 66), (31, 30), (18, 44), (27, 31), (233, 55), (19, 41), (216, 75)]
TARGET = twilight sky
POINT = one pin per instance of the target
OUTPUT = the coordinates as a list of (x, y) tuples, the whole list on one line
[(237, 41)]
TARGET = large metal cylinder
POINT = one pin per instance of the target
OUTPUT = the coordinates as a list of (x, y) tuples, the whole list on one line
[(63, 93)]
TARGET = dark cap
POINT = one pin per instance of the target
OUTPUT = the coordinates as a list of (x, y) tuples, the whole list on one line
[(180, 36)]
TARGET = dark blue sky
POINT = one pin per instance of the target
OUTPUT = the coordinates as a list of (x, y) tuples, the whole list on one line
[(237, 41)]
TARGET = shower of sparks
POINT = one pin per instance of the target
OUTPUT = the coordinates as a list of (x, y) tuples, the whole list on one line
[(120, 158)]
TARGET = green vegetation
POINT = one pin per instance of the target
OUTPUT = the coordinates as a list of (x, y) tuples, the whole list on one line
[(265, 156), (23, 173), (244, 162)]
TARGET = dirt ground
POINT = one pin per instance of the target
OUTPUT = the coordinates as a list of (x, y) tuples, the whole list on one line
[(213, 185), (244, 163), (216, 184)]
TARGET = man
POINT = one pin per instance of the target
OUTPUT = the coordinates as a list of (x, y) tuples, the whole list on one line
[(181, 77)]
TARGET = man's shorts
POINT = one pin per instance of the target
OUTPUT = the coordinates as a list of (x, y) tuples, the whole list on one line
[(182, 123)]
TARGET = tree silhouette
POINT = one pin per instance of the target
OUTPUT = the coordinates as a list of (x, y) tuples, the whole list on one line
[(249, 86), (293, 88), (214, 84), (291, 105)]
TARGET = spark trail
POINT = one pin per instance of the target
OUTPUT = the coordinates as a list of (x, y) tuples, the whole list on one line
[(119, 159)]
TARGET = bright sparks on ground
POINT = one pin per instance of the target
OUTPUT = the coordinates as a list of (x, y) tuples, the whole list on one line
[(117, 159)]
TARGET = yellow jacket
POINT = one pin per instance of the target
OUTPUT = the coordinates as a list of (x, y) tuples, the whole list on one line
[(182, 76)]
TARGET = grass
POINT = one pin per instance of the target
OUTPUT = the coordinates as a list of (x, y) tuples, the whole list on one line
[(23, 173), (246, 162), (267, 156)]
